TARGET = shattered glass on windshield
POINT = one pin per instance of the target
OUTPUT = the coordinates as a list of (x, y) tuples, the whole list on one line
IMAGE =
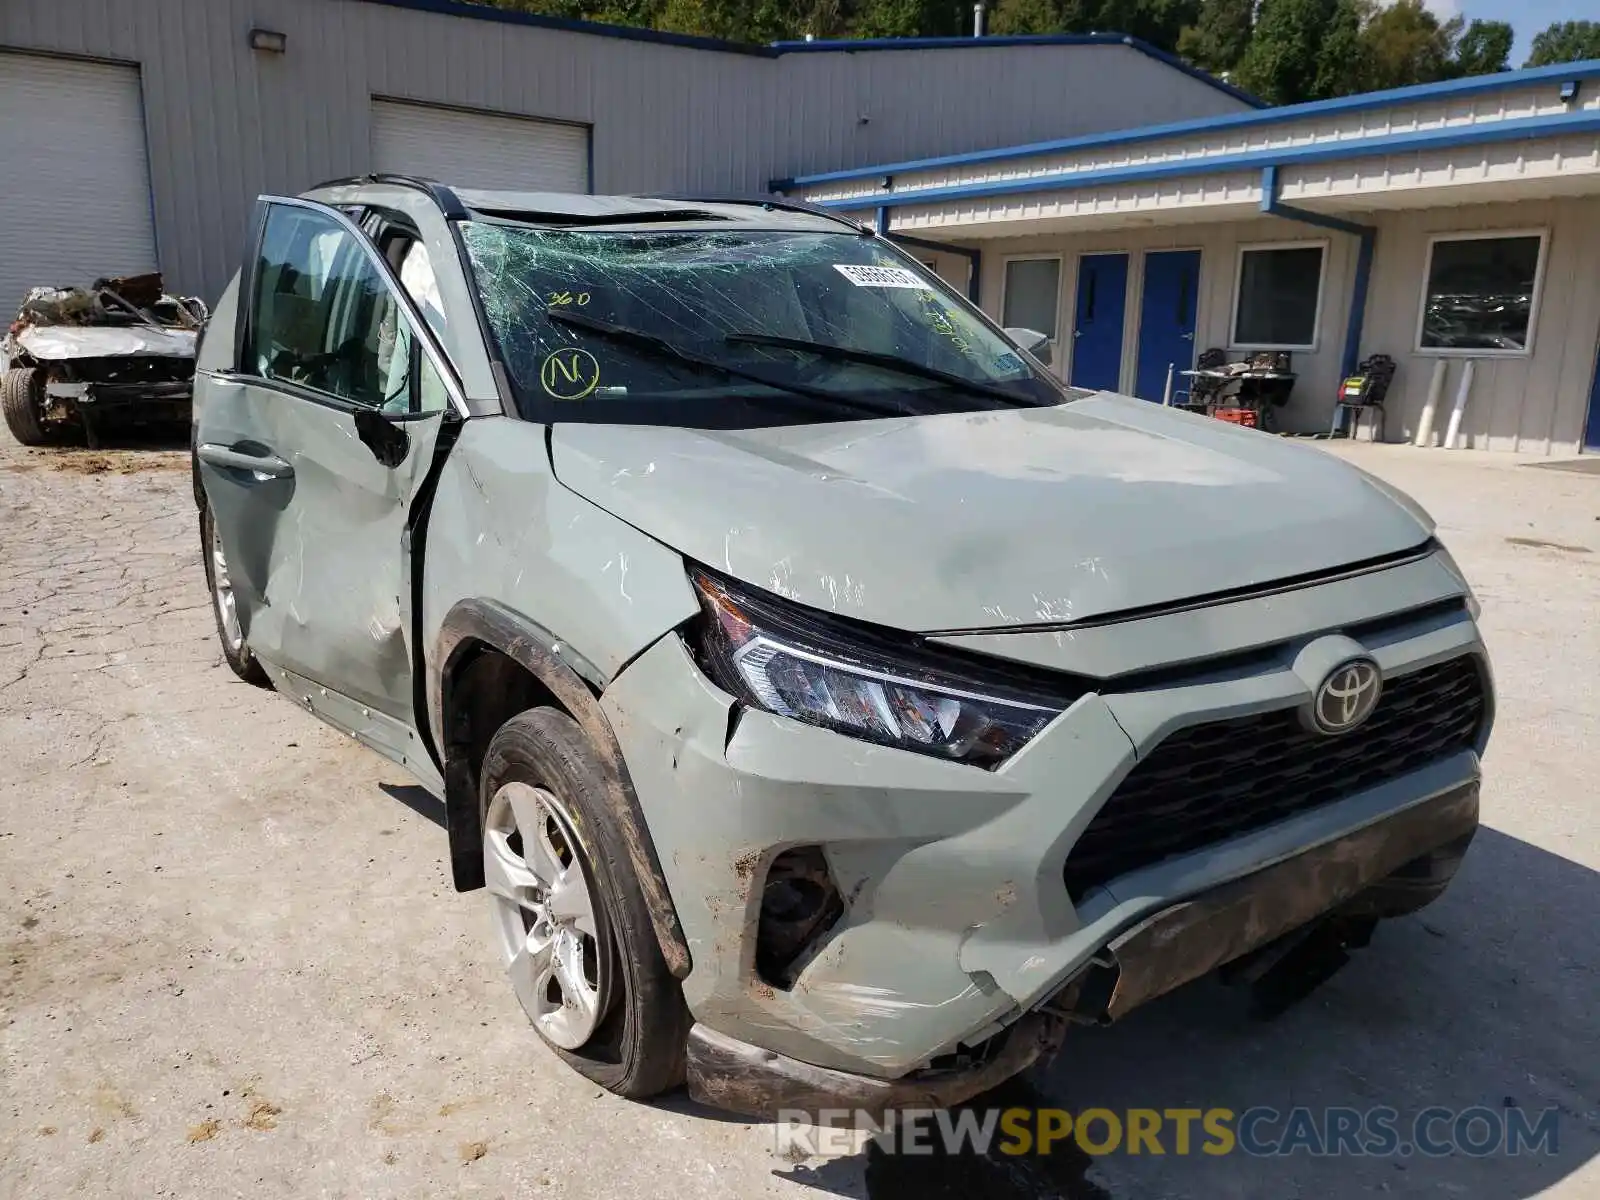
[(720, 328)]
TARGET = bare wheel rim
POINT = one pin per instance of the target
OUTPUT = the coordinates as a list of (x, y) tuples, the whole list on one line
[(222, 594), (546, 917)]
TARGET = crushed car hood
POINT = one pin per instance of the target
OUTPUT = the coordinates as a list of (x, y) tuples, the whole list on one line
[(53, 342), (991, 519)]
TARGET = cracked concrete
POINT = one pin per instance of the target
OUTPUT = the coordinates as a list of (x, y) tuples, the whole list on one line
[(231, 962)]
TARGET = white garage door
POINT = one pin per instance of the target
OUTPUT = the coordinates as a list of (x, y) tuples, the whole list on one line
[(75, 202), (475, 150)]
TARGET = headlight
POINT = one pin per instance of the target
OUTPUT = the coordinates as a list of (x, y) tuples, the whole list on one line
[(866, 684)]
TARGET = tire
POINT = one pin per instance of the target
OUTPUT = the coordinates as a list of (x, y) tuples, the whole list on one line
[(235, 650), (22, 400), (637, 1047)]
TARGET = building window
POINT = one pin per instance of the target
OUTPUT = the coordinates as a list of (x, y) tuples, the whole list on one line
[(1032, 295), (1279, 296), (1482, 293)]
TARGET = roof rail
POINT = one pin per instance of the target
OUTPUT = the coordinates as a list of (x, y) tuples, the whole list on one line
[(446, 199), (778, 203)]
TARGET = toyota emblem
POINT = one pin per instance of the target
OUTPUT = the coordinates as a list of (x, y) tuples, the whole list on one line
[(1347, 696)]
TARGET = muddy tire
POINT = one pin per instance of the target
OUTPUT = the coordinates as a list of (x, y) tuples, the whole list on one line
[(22, 400), (598, 991), (235, 650)]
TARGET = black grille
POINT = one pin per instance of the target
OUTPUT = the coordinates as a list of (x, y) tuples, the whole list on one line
[(1211, 782)]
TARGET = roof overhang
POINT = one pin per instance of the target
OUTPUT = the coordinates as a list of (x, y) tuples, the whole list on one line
[(1519, 136)]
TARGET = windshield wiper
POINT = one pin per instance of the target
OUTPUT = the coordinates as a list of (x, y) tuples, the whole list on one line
[(660, 347), (888, 362)]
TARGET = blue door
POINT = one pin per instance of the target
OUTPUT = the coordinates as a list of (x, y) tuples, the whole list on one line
[(1591, 433), (1166, 320), (1097, 321)]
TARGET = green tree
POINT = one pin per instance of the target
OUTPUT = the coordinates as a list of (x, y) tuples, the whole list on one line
[(733, 20), (1405, 44), (1484, 48), (1341, 51), (1281, 65), (1564, 42), (909, 18), (1159, 22), (1027, 16), (1220, 35)]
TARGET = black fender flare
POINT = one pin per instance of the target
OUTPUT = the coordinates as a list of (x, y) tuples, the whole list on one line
[(472, 623)]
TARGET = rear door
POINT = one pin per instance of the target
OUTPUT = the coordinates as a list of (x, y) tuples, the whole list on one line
[(311, 453)]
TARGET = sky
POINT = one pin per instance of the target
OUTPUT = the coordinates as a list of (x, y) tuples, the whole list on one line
[(1527, 17)]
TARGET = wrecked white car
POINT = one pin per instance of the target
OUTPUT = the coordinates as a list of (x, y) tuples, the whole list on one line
[(78, 359)]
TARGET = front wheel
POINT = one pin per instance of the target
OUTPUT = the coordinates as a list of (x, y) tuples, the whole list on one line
[(571, 925), (22, 402), (224, 606)]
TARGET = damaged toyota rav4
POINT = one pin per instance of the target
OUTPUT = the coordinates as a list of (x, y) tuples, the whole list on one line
[(834, 706)]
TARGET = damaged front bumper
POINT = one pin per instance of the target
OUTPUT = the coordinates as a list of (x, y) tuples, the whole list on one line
[(1408, 858), (949, 919)]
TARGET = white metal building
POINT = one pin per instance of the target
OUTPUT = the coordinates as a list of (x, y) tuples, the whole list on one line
[(137, 132), (1440, 225)]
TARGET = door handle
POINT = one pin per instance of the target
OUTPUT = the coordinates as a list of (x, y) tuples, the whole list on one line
[(265, 466), (1188, 337)]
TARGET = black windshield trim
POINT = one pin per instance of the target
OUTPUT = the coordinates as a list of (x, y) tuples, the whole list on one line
[(883, 362)]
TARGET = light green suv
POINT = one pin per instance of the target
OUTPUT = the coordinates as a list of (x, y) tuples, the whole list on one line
[(834, 706)]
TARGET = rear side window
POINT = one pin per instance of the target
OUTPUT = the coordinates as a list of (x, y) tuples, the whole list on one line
[(325, 319)]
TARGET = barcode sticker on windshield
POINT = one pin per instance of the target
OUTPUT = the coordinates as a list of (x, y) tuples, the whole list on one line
[(880, 276)]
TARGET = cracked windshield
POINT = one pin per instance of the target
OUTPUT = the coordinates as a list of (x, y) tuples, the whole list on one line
[(728, 329)]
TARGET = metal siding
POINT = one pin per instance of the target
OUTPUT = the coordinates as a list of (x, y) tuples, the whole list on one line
[(479, 150), (73, 135), (225, 123), (1325, 135), (1536, 403)]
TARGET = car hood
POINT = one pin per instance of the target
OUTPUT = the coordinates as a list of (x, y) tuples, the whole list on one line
[(990, 519)]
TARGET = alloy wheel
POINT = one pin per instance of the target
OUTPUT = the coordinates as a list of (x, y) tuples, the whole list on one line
[(547, 917)]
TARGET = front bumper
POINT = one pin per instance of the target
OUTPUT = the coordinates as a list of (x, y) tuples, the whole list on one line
[(956, 919), (1408, 858)]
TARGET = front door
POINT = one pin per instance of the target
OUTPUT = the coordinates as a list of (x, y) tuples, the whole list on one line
[(1097, 322), (311, 452), (1166, 320)]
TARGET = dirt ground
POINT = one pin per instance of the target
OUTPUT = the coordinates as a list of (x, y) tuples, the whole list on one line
[(231, 963)]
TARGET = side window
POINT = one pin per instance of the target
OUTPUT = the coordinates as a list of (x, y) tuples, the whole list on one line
[(325, 319), (416, 275)]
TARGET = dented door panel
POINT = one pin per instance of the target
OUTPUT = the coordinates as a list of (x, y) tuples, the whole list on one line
[(502, 527), (319, 549)]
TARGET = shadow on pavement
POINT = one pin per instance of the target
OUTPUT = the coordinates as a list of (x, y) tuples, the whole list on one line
[(1487, 998), (418, 799)]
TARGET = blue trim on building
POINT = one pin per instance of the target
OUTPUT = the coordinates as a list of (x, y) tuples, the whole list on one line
[(1524, 129), (856, 45), (1455, 88), (1368, 235)]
